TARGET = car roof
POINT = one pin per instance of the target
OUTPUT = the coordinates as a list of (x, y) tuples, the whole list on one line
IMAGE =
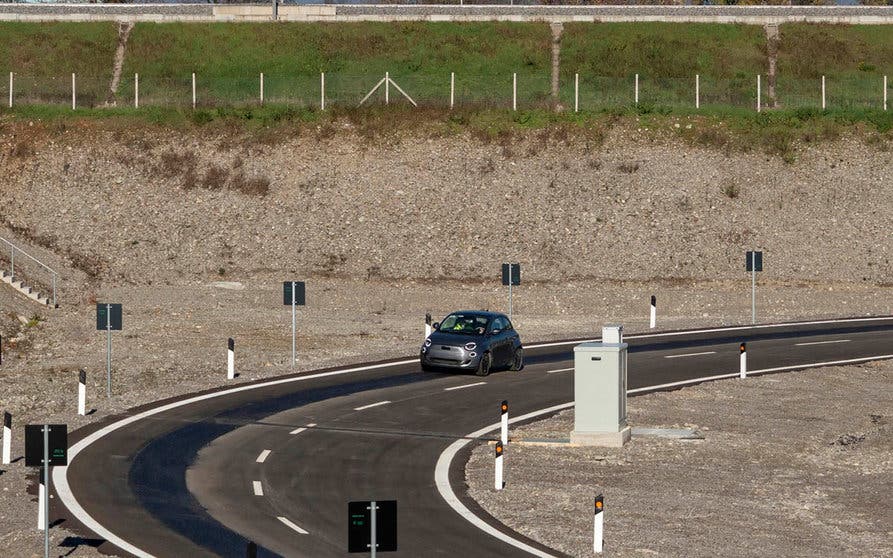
[(486, 313)]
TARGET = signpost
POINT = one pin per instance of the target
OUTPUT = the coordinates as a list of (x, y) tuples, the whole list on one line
[(293, 294), (372, 526), (46, 445), (511, 275), (753, 263), (108, 318)]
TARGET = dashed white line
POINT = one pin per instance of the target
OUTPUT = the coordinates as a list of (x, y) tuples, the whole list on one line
[(292, 525), (258, 489), (303, 428), (821, 342), (263, 456), (465, 386), (372, 405), (691, 354), (559, 370)]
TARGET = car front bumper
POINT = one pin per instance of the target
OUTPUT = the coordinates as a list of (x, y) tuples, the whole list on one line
[(449, 357)]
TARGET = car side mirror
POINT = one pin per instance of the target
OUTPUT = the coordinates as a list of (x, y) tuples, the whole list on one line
[(435, 325), (495, 332)]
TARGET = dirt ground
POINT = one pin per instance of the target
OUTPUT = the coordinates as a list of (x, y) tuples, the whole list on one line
[(792, 464)]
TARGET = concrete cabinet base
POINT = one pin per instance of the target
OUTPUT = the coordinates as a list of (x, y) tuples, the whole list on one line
[(604, 439)]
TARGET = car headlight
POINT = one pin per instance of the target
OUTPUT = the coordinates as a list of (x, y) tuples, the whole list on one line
[(471, 346), (428, 342)]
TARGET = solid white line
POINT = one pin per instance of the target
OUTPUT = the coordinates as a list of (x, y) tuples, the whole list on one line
[(691, 354), (258, 489), (60, 473), (559, 370), (371, 405), (263, 456), (292, 525), (465, 386), (303, 428), (821, 342)]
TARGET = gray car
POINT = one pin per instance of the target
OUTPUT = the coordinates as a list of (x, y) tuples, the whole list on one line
[(473, 340)]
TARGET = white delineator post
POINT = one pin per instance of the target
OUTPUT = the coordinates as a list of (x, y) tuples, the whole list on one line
[(637, 89), (7, 436), (514, 91), (41, 498), (322, 91), (427, 325), (498, 482), (231, 359), (885, 91), (758, 93), (452, 89), (10, 89), (576, 92), (73, 93), (653, 312), (504, 419), (261, 88), (823, 92), (82, 392), (387, 88), (193, 90), (743, 371), (697, 91), (598, 527), (136, 91)]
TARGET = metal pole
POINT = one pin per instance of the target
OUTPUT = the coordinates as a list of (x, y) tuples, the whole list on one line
[(453, 89), (697, 91), (387, 88), (576, 92), (10, 88), (193, 90), (46, 484), (136, 90), (510, 291), (637, 89), (885, 91), (12, 262), (322, 91), (108, 350), (54, 292), (293, 334), (823, 92), (73, 97), (758, 93), (262, 82), (753, 287), (514, 91), (373, 543)]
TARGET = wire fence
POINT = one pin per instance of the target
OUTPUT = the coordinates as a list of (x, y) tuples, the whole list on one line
[(518, 91)]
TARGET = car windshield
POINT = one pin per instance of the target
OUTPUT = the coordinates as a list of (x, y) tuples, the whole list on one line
[(466, 324)]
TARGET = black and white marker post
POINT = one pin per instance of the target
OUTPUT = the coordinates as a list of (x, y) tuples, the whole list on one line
[(427, 324), (598, 528), (511, 275), (108, 318), (504, 418), (82, 392), (753, 264), (743, 371), (7, 436), (293, 294), (499, 484), (230, 359), (653, 311)]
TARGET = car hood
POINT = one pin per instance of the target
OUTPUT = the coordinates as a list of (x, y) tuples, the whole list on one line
[(454, 338)]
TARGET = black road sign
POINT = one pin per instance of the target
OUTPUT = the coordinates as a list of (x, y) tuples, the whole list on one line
[(359, 526), (34, 445), (299, 292), (754, 260), (516, 274), (102, 313)]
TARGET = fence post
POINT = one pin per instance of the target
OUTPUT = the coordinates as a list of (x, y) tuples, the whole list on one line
[(452, 89), (697, 91), (10, 88), (136, 90), (576, 92), (73, 93), (322, 91), (514, 91), (387, 88), (758, 93), (193, 90), (823, 92), (261, 88)]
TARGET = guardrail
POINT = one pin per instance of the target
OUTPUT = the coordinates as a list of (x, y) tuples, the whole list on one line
[(13, 249)]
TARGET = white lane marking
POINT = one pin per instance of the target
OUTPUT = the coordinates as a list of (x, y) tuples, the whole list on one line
[(559, 370), (821, 342), (263, 456), (60, 473), (442, 469), (371, 405), (303, 428), (292, 525), (258, 489), (691, 354), (465, 386)]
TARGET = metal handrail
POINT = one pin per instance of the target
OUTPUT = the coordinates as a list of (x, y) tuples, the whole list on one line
[(12, 252)]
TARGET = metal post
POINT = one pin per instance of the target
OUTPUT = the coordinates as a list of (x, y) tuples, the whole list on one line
[(697, 91), (46, 483), (108, 350), (322, 91), (387, 88), (10, 88), (753, 287), (510, 291), (12, 262), (453, 89), (514, 91), (73, 95), (293, 324), (136, 91), (576, 92), (823, 92), (275, 10), (54, 292), (193, 90), (373, 543), (637, 89), (262, 78), (758, 93), (885, 91)]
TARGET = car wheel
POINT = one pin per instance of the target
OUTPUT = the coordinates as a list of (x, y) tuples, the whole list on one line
[(484, 365), (517, 360), (426, 367)]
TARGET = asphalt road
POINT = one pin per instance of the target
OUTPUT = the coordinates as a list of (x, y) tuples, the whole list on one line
[(205, 478)]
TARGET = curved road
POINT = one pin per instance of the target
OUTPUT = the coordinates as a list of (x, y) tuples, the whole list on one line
[(277, 462)]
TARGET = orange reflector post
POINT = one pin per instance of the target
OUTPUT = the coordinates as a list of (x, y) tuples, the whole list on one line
[(498, 449), (743, 347), (599, 503), (504, 407)]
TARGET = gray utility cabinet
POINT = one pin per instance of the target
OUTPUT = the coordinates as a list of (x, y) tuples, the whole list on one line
[(600, 391)]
